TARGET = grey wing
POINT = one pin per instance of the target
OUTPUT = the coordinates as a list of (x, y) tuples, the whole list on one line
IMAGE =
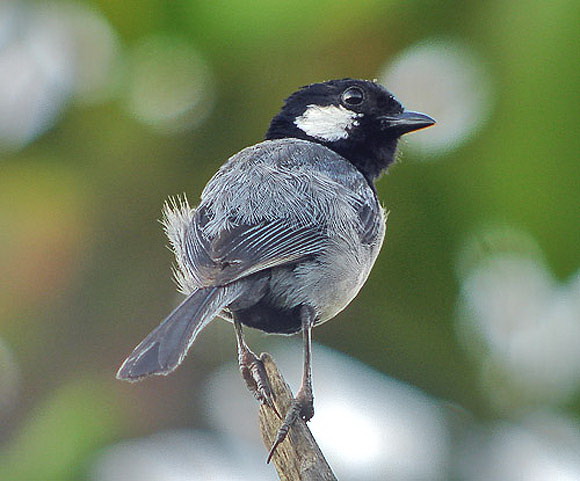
[(371, 221), (244, 249), (272, 204)]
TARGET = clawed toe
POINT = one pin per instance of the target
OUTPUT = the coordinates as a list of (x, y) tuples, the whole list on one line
[(256, 378), (302, 406)]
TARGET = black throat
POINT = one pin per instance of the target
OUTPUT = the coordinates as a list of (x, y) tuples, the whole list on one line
[(371, 154), (371, 158)]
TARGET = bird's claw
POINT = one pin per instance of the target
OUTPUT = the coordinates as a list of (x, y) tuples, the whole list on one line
[(302, 406), (256, 378)]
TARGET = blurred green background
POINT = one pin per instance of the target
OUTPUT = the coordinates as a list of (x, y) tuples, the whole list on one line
[(108, 107)]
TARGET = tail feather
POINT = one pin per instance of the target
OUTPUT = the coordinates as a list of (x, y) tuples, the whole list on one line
[(166, 346)]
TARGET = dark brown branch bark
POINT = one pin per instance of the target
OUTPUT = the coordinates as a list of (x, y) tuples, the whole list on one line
[(298, 458)]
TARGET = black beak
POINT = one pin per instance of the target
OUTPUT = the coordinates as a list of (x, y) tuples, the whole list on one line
[(405, 122)]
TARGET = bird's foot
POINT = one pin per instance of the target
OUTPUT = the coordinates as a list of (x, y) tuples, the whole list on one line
[(254, 373), (301, 406)]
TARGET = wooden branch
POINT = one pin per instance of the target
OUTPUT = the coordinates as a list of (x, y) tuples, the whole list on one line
[(298, 457)]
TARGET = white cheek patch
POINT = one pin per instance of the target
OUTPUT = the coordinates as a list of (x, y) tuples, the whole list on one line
[(329, 123)]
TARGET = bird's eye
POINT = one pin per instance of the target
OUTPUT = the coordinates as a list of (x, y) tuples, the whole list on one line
[(353, 96)]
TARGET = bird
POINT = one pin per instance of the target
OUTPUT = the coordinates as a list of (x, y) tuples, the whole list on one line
[(285, 233)]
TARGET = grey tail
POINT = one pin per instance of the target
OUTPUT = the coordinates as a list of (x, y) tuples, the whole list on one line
[(166, 346)]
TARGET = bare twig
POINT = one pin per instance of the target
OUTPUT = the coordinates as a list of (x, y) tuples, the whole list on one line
[(298, 458)]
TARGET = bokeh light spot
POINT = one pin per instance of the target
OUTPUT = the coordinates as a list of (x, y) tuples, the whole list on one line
[(170, 88), (543, 446), (180, 455), (521, 323), (446, 80), (51, 53), (352, 433)]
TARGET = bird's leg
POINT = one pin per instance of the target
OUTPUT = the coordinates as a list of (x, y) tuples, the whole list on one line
[(253, 371), (303, 403)]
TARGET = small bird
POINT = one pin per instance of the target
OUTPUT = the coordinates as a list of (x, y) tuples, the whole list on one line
[(286, 232)]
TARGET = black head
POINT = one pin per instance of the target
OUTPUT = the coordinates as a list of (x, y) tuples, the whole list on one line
[(358, 119)]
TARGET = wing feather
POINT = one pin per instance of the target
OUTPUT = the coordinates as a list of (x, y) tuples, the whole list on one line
[(271, 204), (245, 249)]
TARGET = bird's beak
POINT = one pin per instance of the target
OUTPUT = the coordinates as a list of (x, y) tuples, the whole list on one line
[(405, 122)]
